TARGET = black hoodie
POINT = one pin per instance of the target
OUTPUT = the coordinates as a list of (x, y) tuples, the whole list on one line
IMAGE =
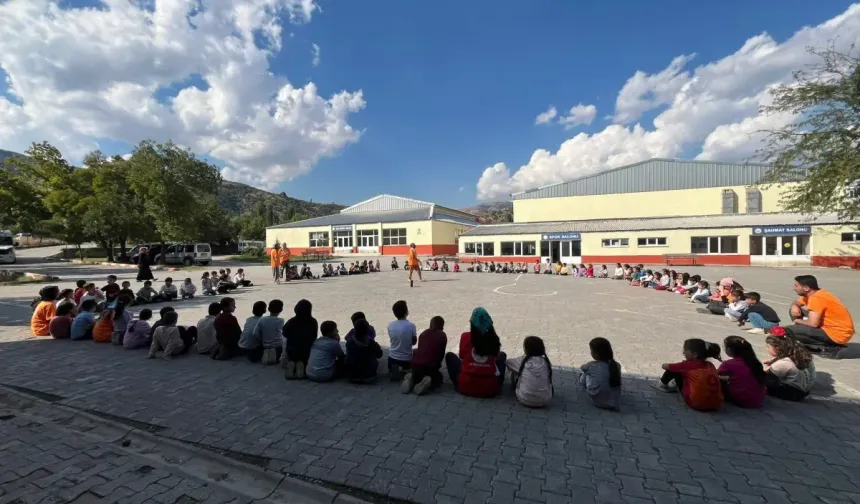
[(300, 332), (361, 359)]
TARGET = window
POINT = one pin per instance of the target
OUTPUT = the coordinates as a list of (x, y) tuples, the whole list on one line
[(469, 248), (753, 200), (730, 202), (651, 242), (481, 249), (343, 239), (394, 236), (544, 248), (318, 239), (615, 242), (851, 237), (518, 249), (368, 237), (714, 245)]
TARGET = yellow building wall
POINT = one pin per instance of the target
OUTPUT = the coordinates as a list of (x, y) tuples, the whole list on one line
[(827, 241), (294, 237), (447, 233), (684, 202), (417, 232)]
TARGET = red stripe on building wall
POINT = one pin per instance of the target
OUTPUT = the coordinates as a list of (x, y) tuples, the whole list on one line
[(836, 262)]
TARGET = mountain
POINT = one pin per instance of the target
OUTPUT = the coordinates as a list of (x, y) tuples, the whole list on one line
[(237, 198), (497, 212)]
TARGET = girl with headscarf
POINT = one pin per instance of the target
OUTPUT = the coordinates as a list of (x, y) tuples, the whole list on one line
[(479, 370)]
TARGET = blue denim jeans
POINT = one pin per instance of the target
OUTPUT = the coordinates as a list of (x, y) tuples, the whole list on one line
[(756, 320)]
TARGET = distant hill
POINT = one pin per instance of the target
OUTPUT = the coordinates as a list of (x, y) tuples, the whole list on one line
[(236, 198), (498, 212)]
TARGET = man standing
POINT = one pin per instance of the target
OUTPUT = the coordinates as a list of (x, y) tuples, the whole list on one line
[(821, 321), (285, 261), (413, 263), (275, 261)]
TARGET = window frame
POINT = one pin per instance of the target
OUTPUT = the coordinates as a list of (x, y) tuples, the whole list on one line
[(316, 242), (655, 244), (719, 240), (609, 242), (854, 240), (367, 233), (394, 236)]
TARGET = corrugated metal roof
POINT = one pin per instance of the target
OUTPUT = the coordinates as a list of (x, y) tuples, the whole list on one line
[(385, 203), (654, 223), (654, 175), (340, 219)]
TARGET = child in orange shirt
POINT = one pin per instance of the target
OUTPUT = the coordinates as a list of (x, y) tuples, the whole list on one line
[(696, 377), (45, 311), (103, 330)]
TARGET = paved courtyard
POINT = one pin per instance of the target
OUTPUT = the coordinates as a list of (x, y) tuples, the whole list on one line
[(444, 447)]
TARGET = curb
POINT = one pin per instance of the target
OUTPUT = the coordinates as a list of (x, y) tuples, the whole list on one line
[(193, 461)]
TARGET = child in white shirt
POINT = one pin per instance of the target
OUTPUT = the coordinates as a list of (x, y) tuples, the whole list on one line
[(168, 290), (188, 289)]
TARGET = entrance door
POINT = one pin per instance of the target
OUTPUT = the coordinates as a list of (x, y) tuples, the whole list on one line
[(571, 252), (343, 241), (555, 251)]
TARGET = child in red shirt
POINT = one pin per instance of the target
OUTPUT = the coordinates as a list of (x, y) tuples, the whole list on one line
[(80, 291), (696, 377), (479, 370)]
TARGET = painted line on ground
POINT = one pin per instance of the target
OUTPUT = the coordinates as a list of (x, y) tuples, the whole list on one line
[(498, 290), (663, 317)]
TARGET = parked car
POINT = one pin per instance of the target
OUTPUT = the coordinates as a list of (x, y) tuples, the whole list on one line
[(31, 240), (186, 253), (7, 248), (134, 253)]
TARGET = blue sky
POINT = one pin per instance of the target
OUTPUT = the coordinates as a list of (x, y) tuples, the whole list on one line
[(453, 87)]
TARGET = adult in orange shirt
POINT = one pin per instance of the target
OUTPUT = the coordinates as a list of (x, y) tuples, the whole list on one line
[(821, 321), (45, 311), (285, 262), (275, 261), (413, 263)]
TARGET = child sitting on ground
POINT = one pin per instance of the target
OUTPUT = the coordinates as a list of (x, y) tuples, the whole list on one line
[(168, 291), (240, 280), (565, 271), (760, 316), (127, 293), (206, 285), (371, 334), (67, 296), (103, 330), (147, 294), (531, 374), (790, 374), (601, 377), (121, 319), (402, 335), (94, 294), (619, 273), (187, 290), (167, 338), (589, 271), (703, 293), (427, 359), (300, 332), (137, 334), (268, 333), (696, 377), (60, 326), (248, 342), (206, 338), (604, 272), (456, 267), (111, 290), (738, 307), (362, 355), (326, 360), (82, 326), (80, 291), (742, 376)]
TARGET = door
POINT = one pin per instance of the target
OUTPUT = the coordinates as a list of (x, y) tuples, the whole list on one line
[(571, 252), (555, 251)]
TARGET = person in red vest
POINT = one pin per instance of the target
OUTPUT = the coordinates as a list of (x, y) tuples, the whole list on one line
[(479, 370)]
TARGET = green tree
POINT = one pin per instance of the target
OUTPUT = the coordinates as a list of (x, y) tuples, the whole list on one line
[(176, 188), (821, 145), (27, 182)]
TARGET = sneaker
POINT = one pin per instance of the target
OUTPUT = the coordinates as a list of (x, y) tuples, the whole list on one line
[(270, 356), (664, 388), (291, 371), (300, 370), (406, 386), (755, 330), (830, 352), (423, 386), (394, 373)]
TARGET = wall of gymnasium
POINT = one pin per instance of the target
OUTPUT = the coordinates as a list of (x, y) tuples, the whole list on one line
[(828, 249), (683, 202)]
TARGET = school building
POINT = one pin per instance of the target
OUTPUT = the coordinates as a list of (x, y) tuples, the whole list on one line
[(665, 211), (383, 225)]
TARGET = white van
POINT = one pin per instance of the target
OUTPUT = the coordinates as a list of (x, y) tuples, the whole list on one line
[(246, 244), (186, 253), (7, 248)]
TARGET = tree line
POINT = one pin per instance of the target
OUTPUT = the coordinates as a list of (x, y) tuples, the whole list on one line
[(160, 193)]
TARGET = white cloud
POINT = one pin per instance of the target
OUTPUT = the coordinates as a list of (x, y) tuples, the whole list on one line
[(78, 75), (578, 115), (712, 110), (546, 117), (315, 52)]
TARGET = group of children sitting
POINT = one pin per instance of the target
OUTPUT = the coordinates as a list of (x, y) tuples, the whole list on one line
[(356, 268), (316, 352)]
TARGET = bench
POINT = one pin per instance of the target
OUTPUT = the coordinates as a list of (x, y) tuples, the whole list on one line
[(316, 254), (680, 259)]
